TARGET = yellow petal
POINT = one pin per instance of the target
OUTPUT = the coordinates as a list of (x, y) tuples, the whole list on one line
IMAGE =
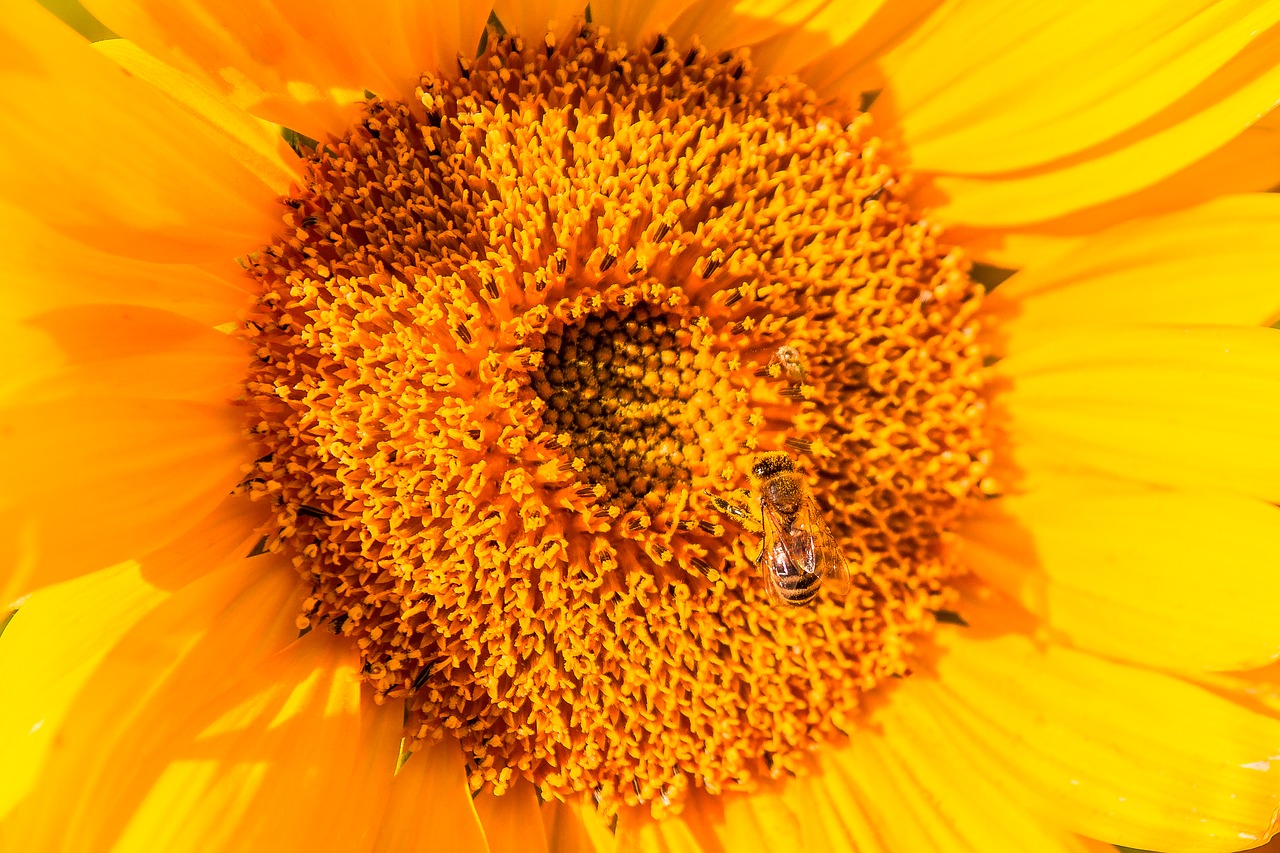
[(305, 66), (843, 56), (430, 806), (1179, 406), (917, 792), (1214, 263), (101, 666), (98, 609), (1050, 81), (574, 826), (1114, 752), (1203, 121), (1124, 570), (255, 142), (512, 822), (1259, 689), (148, 178), (1246, 164), (103, 480), (833, 810), (287, 758), (842, 34)]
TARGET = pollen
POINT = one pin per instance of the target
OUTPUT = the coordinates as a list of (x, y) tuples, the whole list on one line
[(515, 336)]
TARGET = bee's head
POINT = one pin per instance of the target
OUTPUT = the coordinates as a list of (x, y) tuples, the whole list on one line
[(773, 462)]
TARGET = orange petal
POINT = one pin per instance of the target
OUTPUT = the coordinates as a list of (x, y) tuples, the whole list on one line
[(304, 65), (1199, 123), (729, 24), (771, 819), (148, 179), (100, 480), (378, 754), (1259, 689), (841, 30), (232, 531), (125, 351), (1212, 264), (1049, 81), (639, 832), (1121, 569), (52, 270), (286, 759), (430, 806), (1114, 752), (1180, 406), (573, 826), (532, 19), (820, 810), (776, 817), (913, 791), (1246, 164), (111, 664), (784, 37), (512, 822), (633, 21)]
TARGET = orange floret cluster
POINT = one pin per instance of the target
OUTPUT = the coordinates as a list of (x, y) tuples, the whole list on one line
[(514, 334)]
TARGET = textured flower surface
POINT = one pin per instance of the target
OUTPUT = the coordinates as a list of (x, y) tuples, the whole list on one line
[(386, 380)]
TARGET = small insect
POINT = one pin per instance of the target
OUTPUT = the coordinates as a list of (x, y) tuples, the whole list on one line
[(798, 554), (790, 365)]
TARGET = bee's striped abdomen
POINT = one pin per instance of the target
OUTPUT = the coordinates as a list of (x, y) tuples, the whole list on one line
[(800, 588)]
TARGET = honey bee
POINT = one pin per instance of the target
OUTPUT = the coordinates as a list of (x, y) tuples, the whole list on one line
[(798, 554)]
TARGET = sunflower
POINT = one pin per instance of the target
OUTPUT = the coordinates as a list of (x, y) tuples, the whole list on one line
[(398, 392)]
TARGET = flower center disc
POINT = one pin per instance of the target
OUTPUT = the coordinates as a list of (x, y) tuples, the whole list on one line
[(522, 326)]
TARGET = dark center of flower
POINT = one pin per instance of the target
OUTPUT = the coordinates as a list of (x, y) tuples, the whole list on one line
[(623, 389), (522, 329)]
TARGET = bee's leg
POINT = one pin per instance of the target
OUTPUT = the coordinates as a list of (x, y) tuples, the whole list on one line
[(736, 508)]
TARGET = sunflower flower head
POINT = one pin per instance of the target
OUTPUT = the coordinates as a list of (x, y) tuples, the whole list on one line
[(521, 328), (433, 426)]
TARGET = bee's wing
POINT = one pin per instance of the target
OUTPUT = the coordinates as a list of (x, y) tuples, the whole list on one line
[(775, 556), (818, 545)]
